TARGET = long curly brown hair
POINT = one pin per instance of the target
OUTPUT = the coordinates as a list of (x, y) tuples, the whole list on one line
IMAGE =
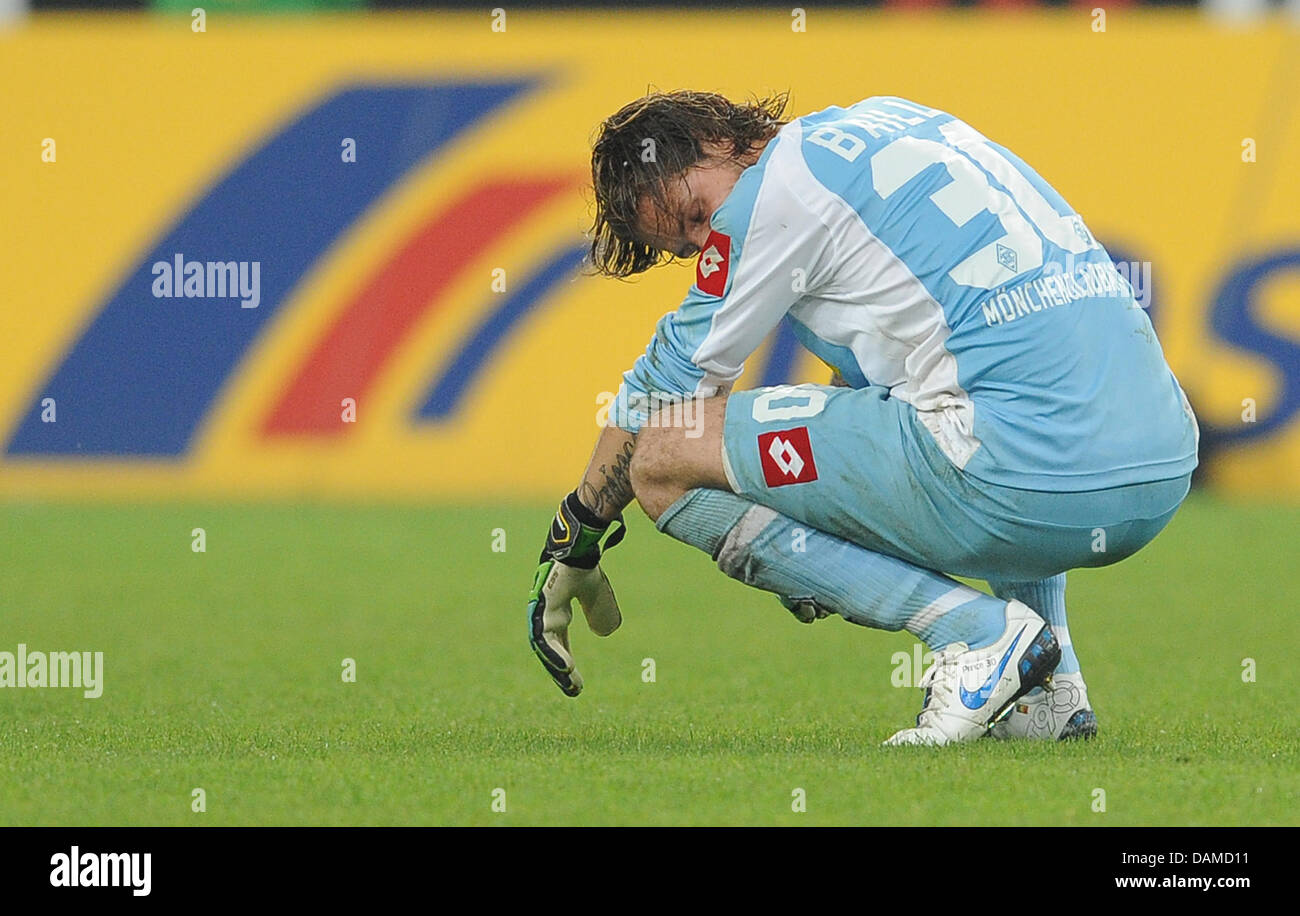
[(640, 148)]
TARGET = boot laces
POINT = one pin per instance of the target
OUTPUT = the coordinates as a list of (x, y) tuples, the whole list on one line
[(939, 683)]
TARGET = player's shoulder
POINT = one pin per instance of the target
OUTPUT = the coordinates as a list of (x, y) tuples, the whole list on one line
[(782, 176), (775, 177), (876, 105), (869, 124), (733, 217)]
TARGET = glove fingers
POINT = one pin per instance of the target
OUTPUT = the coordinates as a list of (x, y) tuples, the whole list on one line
[(592, 589), (558, 662), (569, 681), (805, 610), (555, 649), (572, 685), (545, 641), (549, 635), (599, 605)]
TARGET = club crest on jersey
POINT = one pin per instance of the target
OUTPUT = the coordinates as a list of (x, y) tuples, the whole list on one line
[(714, 264), (787, 457)]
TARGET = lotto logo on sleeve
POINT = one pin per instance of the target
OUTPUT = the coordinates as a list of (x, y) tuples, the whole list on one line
[(714, 265), (787, 457)]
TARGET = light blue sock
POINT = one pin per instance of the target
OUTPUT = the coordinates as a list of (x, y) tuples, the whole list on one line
[(1047, 597), (760, 547)]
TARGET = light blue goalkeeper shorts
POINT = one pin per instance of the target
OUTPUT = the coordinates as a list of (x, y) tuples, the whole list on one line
[(865, 469)]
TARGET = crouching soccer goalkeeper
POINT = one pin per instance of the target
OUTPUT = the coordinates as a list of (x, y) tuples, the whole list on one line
[(1005, 412)]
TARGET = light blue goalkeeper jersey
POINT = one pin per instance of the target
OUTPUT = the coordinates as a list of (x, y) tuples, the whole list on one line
[(912, 253)]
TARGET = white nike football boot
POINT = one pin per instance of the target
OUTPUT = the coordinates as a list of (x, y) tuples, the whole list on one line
[(967, 690), (1057, 712)]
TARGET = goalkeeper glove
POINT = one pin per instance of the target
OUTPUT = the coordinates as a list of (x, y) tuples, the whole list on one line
[(568, 569), (805, 610)]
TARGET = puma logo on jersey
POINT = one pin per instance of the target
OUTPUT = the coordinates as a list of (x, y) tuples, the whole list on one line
[(714, 264)]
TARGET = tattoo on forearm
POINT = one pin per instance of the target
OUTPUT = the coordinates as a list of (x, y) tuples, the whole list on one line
[(613, 492)]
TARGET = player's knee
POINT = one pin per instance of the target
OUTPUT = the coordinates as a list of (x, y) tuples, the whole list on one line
[(652, 472)]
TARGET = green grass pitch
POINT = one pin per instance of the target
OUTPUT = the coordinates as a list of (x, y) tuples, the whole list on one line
[(223, 672)]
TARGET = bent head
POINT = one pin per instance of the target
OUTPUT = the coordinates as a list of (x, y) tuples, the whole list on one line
[(662, 165)]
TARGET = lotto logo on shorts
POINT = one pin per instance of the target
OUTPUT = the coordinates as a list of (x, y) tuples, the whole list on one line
[(787, 457)]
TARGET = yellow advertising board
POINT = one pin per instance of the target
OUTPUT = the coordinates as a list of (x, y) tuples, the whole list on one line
[(387, 215)]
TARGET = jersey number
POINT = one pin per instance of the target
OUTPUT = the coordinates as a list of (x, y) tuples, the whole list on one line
[(1025, 215), (814, 402)]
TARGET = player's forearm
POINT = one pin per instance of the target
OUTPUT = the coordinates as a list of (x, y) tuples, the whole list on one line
[(606, 487), (568, 569)]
